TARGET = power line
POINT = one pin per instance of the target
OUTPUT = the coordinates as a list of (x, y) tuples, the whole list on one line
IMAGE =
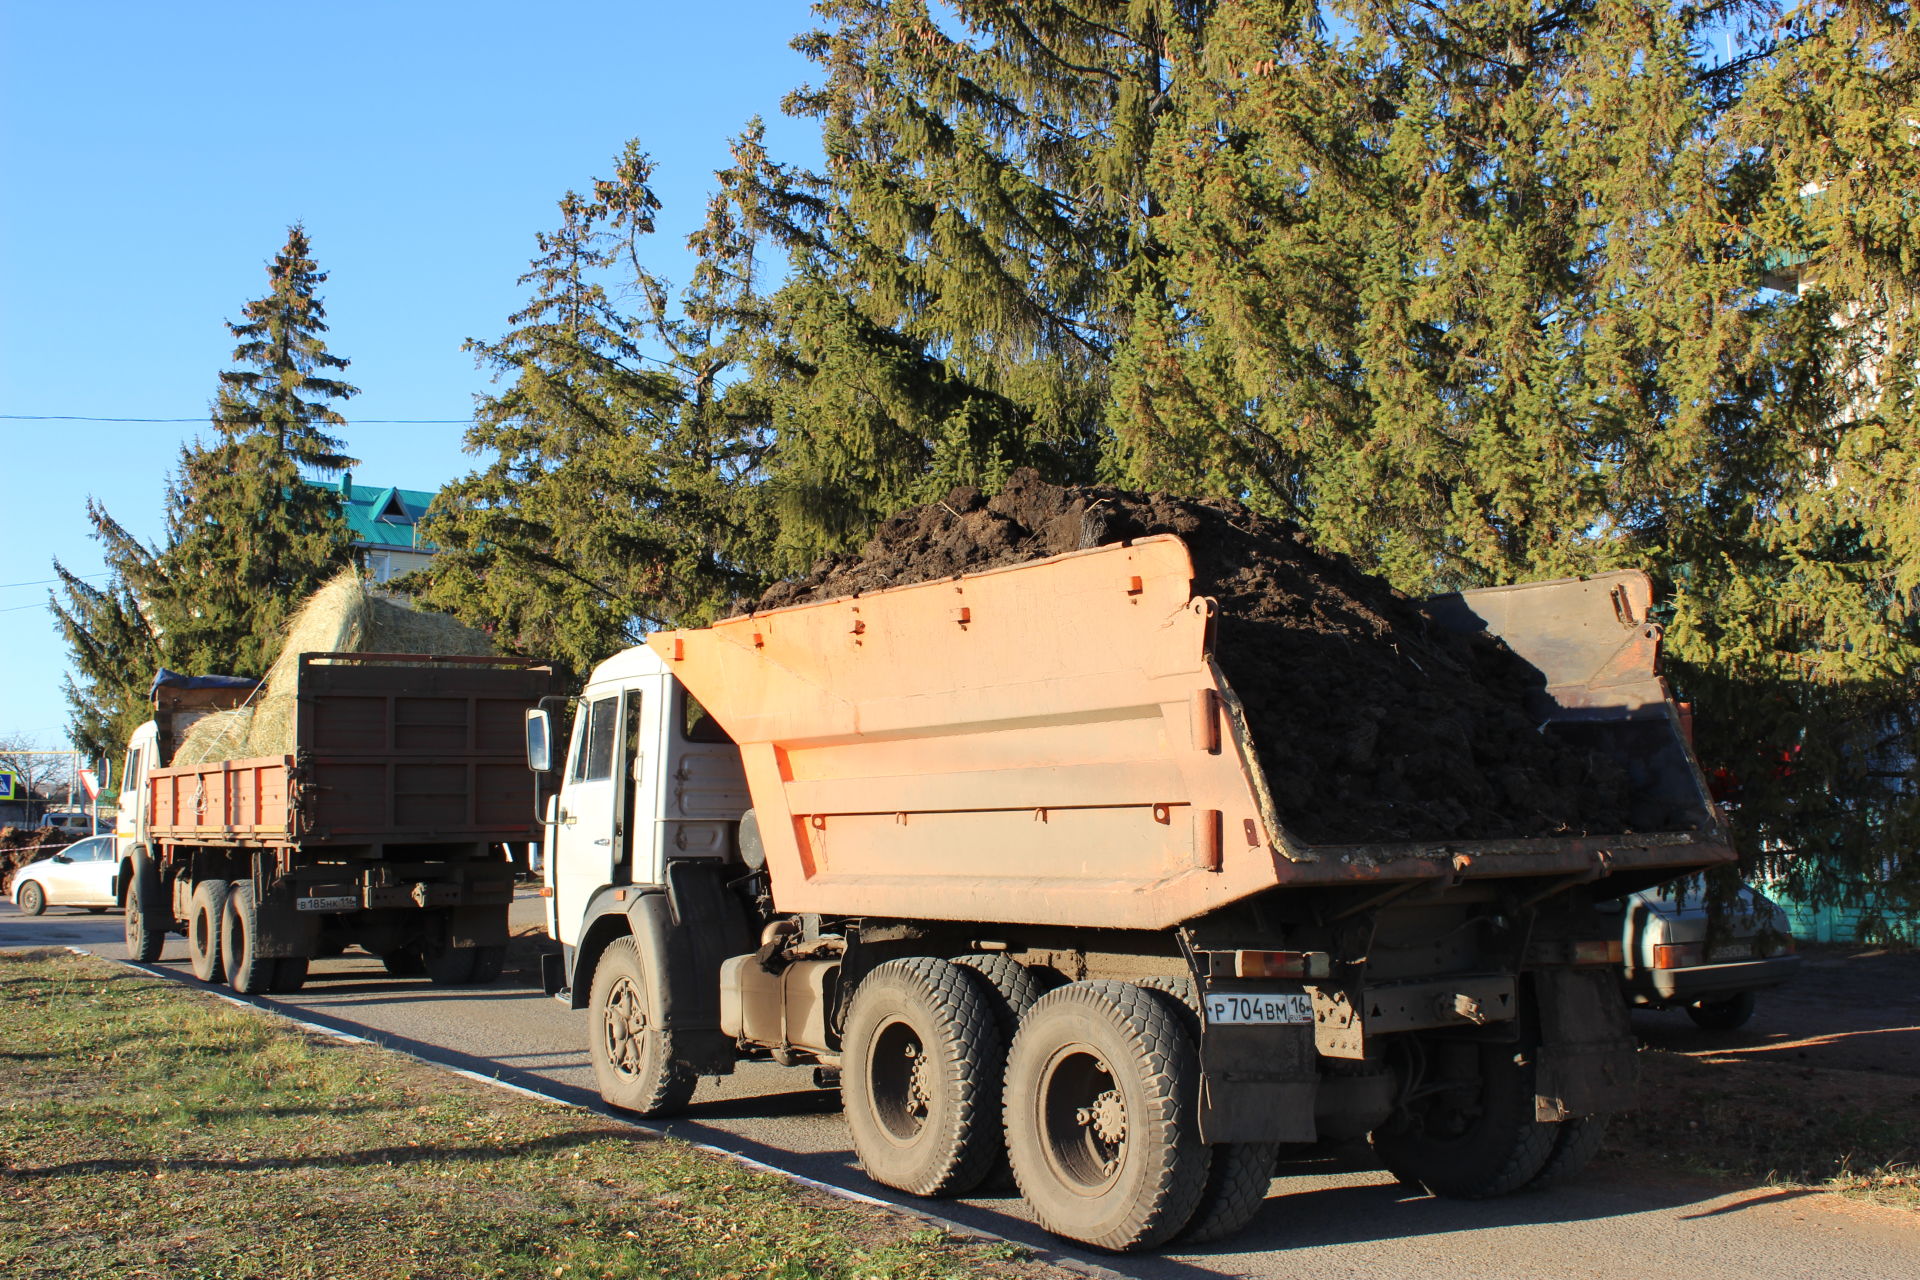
[(352, 422), (47, 582)]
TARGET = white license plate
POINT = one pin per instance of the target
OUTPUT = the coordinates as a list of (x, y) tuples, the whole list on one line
[(1731, 951), (1243, 1007), (328, 904)]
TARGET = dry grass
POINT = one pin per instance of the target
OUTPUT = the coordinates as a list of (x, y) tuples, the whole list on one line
[(149, 1130)]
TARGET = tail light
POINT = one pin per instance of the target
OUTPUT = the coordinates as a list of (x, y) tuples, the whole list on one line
[(1597, 951), (1282, 964), (1678, 955)]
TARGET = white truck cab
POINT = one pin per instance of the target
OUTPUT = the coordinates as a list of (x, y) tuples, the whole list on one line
[(143, 755), (648, 778)]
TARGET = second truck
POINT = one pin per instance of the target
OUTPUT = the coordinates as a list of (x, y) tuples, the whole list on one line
[(390, 824)]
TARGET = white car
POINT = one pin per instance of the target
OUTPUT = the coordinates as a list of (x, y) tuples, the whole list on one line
[(1685, 952), (79, 875)]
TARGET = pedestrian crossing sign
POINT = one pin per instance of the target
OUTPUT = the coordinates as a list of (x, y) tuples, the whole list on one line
[(9, 785)]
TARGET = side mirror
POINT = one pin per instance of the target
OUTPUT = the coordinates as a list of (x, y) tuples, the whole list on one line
[(61, 858), (539, 741)]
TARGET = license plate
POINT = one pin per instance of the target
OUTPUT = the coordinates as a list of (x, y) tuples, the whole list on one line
[(328, 904), (1731, 951), (1287, 1007)]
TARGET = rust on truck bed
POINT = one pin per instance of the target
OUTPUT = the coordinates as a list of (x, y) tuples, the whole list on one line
[(1053, 742), (390, 748)]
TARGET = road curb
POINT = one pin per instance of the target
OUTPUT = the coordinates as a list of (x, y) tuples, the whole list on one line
[(1065, 1262)]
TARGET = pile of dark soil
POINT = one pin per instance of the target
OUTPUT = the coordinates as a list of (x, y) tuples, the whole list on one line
[(1372, 724), (21, 845)]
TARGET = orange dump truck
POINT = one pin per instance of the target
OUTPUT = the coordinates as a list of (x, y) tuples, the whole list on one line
[(998, 850)]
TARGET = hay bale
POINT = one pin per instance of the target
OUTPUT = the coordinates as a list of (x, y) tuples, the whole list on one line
[(218, 735), (341, 617)]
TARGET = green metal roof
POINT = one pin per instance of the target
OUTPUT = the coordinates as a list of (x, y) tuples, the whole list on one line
[(382, 517)]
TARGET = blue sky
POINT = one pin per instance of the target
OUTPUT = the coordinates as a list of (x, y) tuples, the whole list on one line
[(152, 157)]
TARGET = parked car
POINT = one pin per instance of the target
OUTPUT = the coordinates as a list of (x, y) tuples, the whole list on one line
[(74, 822), (79, 875), (1682, 951)]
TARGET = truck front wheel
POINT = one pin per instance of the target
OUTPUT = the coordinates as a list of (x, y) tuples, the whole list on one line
[(207, 912), (922, 1065), (1101, 1114), (1471, 1135), (147, 914), (632, 1053)]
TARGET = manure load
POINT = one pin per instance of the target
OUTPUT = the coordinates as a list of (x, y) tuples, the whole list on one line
[(1201, 708)]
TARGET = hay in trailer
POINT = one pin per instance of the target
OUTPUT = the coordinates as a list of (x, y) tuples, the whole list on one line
[(218, 735), (345, 617)]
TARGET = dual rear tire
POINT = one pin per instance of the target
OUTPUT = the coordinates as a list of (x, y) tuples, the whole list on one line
[(1092, 1100), (249, 972)]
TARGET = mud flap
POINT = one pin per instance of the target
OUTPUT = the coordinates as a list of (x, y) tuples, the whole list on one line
[(684, 935), (1257, 1083), (284, 929), (483, 926), (1586, 1061)]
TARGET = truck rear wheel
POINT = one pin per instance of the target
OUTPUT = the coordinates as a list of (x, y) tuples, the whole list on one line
[(147, 913), (488, 962), (1574, 1146), (632, 1053), (447, 966), (1015, 988), (1101, 1116), (403, 962), (1239, 1173), (289, 975), (922, 1065), (248, 972), (206, 913), (1476, 1140)]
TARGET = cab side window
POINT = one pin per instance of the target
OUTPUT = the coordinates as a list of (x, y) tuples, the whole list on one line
[(593, 750)]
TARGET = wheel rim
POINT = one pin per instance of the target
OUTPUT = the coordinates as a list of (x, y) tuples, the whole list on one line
[(133, 918), (1083, 1120), (899, 1081), (31, 899), (624, 1025), (201, 939)]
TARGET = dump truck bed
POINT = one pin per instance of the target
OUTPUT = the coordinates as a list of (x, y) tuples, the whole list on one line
[(1053, 742), (389, 749)]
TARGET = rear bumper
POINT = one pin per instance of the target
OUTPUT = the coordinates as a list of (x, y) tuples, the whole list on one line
[(1714, 981)]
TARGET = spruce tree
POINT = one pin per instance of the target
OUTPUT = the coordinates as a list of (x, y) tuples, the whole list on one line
[(113, 648), (612, 502), (246, 536), (1482, 293), (967, 258)]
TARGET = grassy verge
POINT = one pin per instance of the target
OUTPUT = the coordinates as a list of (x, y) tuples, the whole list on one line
[(1852, 1132), (148, 1130)]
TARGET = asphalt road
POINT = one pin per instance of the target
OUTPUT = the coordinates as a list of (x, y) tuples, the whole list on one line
[(1324, 1220)]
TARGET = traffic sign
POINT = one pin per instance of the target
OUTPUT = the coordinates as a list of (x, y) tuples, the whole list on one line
[(10, 788)]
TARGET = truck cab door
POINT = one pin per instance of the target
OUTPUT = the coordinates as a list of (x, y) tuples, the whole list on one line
[(587, 847)]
